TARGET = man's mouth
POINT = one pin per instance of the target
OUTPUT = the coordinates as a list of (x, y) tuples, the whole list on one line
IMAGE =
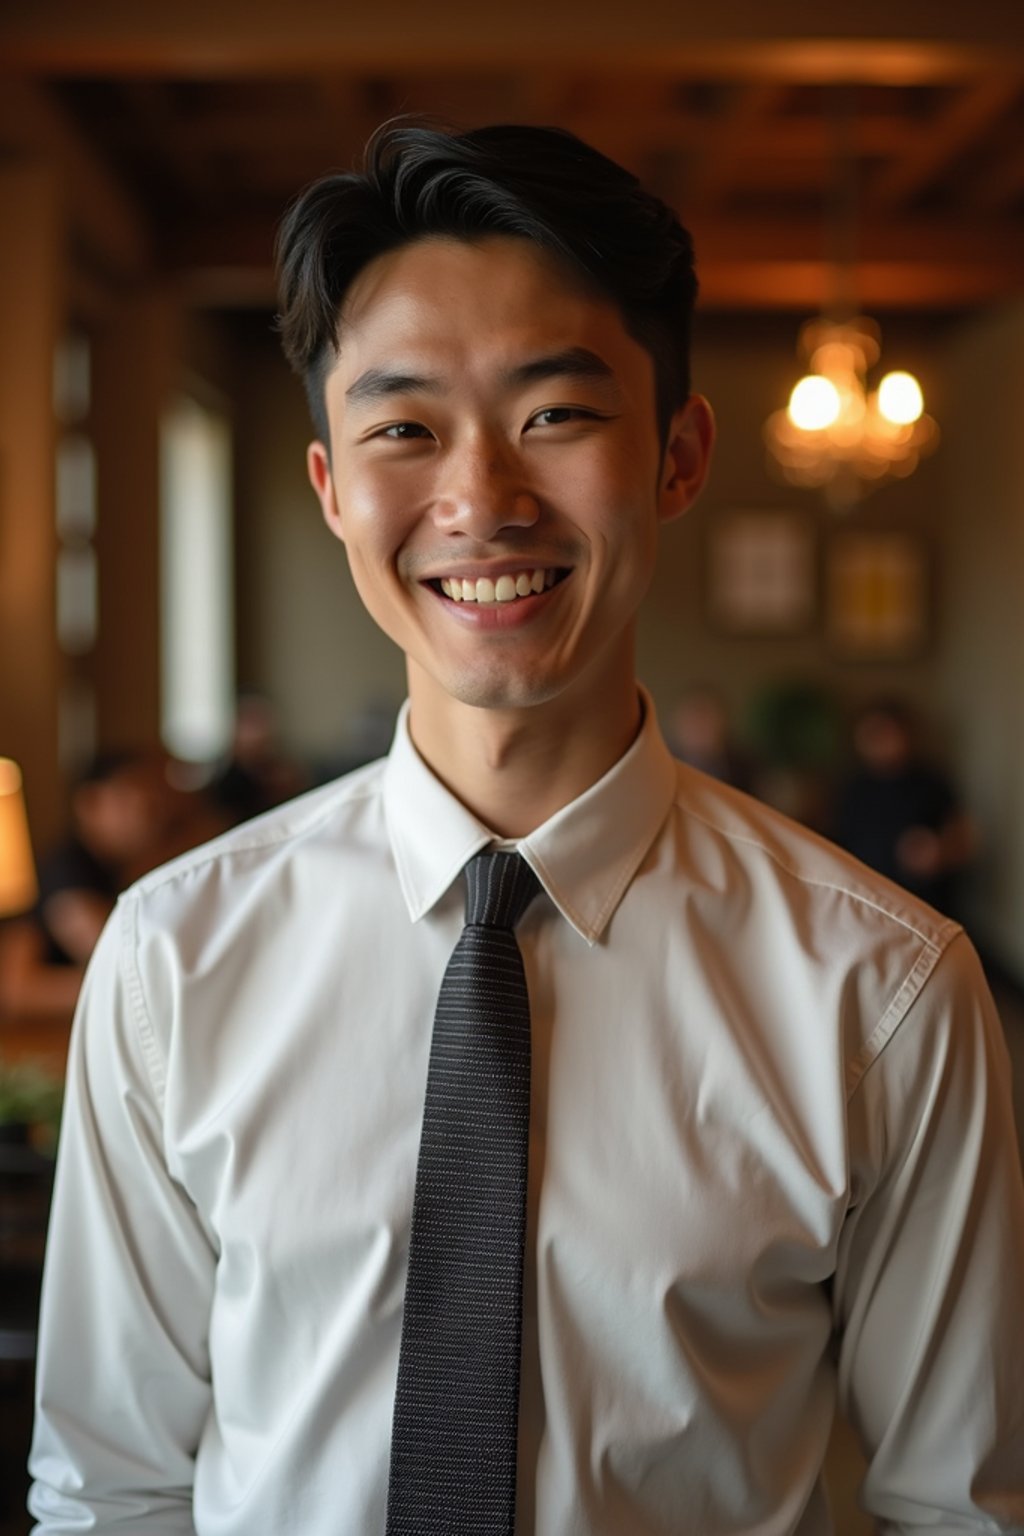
[(507, 588)]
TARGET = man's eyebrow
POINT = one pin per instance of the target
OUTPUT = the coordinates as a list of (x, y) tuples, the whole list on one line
[(381, 383), (572, 362), (378, 384)]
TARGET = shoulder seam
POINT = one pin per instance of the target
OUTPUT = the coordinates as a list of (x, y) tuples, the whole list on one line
[(948, 927), (905, 995), (140, 1012), (189, 863)]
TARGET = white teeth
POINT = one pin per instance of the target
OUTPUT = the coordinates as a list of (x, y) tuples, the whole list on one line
[(505, 590)]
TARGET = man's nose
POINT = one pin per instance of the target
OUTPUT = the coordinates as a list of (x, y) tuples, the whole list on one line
[(482, 490)]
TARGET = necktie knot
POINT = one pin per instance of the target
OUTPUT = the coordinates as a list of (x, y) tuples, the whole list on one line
[(499, 888)]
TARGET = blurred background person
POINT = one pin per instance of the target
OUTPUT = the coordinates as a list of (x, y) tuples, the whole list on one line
[(127, 814), (899, 812), (258, 773), (699, 732)]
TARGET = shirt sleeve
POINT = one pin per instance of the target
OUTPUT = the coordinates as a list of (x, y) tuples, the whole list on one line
[(930, 1279), (123, 1385)]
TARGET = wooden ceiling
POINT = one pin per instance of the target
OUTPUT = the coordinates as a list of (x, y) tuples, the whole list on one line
[(779, 156)]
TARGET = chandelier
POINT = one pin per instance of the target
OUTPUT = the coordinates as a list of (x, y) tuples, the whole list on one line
[(838, 433)]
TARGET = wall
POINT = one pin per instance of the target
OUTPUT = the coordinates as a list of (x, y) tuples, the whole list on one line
[(746, 368), (304, 638), (981, 664)]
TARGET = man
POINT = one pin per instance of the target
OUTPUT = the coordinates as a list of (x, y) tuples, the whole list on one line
[(771, 1150)]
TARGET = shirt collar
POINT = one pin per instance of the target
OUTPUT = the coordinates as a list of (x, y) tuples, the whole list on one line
[(584, 856)]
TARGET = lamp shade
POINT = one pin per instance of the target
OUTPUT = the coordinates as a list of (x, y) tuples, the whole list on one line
[(18, 887)]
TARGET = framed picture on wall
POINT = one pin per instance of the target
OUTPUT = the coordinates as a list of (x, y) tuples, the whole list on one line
[(761, 573), (877, 594)]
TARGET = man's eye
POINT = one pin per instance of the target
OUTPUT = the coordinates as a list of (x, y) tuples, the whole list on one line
[(554, 416), (404, 429), (560, 415)]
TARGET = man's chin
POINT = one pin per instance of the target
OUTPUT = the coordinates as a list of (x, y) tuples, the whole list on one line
[(504, 695), (500, 690)]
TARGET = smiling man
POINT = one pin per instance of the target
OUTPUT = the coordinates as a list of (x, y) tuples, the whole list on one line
[(496, 471), (710, 1129)]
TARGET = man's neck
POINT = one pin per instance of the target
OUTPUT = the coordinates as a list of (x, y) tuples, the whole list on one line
[(515, 768)]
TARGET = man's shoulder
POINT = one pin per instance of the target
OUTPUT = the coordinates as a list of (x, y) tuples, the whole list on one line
[(799, 864), (336, 816), (811, 922)]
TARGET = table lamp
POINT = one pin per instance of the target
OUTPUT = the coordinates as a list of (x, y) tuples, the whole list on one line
[(18, 887)]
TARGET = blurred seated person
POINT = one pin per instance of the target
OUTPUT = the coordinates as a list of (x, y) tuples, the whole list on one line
[(699, 734), (126, 817), (899, 813), (258, 773)]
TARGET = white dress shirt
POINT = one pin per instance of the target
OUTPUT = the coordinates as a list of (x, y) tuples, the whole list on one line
[(772, 1162)]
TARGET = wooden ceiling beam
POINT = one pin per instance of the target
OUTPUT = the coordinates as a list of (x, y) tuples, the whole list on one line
[(913, 241), (752, 112), (744, 264), (800, 138), (253, 132), (788, 39), (153, 112), (754, 285), (1002, 185), (243, 241), (100, 215), (727, 285), (338, 111), (974, 110)]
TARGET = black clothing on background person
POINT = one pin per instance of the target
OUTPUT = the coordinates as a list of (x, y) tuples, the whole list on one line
[(69, 867), (876, 810), (899, 813)]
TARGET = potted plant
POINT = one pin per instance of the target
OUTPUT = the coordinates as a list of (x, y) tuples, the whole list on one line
[(30, 1104)]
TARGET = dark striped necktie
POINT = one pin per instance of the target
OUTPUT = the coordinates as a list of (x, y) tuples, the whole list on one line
[(453, 1445)]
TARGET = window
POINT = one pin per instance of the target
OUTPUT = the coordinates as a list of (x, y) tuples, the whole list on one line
[(197, 588)]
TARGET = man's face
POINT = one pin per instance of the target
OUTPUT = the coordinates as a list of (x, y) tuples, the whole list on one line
[(495, 471), (883, 742)]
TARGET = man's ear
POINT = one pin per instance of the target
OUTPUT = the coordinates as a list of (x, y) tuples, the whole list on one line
[(691, 437), (318, 467)]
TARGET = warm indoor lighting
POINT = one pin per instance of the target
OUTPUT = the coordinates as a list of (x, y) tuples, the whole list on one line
[(814, 403), (18, 888), (900, 399), (836, 433)]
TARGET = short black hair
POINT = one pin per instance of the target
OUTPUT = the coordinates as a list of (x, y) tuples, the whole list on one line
[(539, 184)]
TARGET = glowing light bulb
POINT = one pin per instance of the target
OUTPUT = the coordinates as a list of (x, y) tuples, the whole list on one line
[(814, 403), (900, 399), (10, 777)]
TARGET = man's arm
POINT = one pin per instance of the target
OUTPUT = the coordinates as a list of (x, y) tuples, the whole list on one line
[(930, 1281), (123, 1379)]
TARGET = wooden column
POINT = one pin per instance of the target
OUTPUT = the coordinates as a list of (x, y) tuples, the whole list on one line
[(31, 313)]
